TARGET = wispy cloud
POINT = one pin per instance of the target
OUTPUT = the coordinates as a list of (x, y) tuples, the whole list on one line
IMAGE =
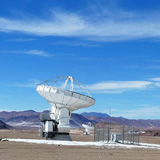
[(76, 43), (155, 79), (36, 52), (107, 91), (22, 39), (30, 84), (115, 87), (150, 67), (147, 112), (28, 52), (118, 87), (104, 27)]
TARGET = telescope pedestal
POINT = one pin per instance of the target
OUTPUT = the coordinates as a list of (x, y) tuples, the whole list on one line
[(50, 130), (61, 137)]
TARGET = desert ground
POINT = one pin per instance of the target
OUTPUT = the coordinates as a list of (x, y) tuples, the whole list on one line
[(27, 151)]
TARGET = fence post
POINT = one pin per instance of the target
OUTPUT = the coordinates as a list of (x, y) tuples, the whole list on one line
[(138, 136), (94, 133), (108, 133), (130, 135), (133, 135), (123, 134), (98, 133), (103, 134)]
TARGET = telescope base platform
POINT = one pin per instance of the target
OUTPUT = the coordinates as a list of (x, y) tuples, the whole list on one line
[(61, 137)]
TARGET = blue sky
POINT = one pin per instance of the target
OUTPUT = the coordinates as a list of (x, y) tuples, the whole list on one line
[(111, 46)]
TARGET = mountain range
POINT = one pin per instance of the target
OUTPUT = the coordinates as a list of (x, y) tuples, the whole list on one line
[(94, 114), (30, 120)]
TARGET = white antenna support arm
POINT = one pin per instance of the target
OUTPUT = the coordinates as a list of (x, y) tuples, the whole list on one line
[(71, 79), (65, 83)]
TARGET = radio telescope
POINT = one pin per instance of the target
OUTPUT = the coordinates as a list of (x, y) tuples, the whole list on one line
[(88, 127), (65, 94)]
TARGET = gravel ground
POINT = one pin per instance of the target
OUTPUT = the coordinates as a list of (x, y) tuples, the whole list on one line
[(27, 151)]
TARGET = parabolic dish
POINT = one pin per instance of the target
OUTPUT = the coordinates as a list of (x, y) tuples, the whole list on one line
[(87, 126), (61, 97)]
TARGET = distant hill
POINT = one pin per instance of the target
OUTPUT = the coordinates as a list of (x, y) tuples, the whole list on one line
[(22, 119), (4, 125), (30, 120), (140, 123), (7, 115), (77, 120), (94, 114)]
